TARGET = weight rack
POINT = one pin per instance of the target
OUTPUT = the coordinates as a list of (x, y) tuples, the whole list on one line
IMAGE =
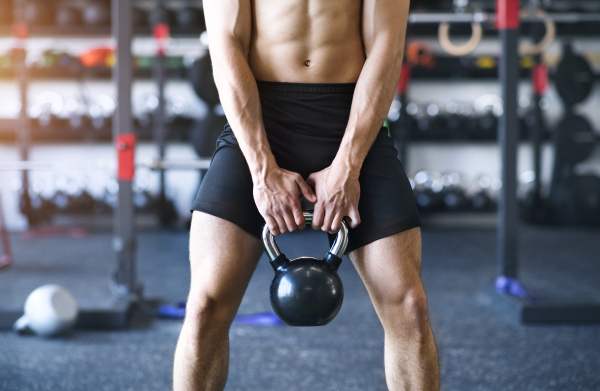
[(510, 294)]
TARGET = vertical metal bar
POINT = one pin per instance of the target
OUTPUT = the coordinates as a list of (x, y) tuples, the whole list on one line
[(23, 134), (159, 120), (124, 230), (538, 130), (508, 137)]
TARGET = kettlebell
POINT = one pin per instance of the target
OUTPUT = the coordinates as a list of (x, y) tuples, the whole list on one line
[(306, 291), (50, 310)]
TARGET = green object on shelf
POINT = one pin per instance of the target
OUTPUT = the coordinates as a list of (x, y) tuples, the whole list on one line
[(144, 62), (174, 62)]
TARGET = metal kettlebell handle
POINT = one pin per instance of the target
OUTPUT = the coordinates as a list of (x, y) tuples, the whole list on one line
[(338, 248)]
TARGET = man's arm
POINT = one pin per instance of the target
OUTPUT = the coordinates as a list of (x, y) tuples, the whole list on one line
[(383, 31), (229, 26)]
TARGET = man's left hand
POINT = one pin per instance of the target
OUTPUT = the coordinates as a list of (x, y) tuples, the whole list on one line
[(338, 191)]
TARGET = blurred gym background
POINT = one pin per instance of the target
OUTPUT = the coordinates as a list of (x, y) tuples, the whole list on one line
[(59, 88)]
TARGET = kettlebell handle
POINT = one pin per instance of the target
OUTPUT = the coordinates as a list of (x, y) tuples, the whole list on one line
[(338, 248)]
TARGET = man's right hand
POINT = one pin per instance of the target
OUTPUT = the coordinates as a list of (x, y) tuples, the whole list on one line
[(277, 196)]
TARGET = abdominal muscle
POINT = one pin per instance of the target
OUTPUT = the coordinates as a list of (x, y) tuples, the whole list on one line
[(306, 41)]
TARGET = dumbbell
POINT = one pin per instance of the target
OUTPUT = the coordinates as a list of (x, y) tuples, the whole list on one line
[(41, 208), (39, 12), (142, 199), (97, 13), (453, 194), (83, 201), (427, 190), (68, 16)]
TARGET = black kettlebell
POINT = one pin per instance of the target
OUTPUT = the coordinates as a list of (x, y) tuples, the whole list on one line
[(306, 291)]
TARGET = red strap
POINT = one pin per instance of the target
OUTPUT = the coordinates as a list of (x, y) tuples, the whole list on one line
[(20, 30), (125, 144), (539, 78), (161, 35), (507, 14), (404, 83)]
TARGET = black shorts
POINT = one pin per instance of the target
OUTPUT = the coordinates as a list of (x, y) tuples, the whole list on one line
[(305, 124)]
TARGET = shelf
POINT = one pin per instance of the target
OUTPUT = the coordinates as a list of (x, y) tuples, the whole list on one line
[(73, 32), (96, 73), (61, 131)]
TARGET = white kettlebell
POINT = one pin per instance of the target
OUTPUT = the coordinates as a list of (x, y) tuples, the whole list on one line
[(50, 310)]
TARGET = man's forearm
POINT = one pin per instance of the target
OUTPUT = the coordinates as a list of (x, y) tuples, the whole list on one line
[(372, 98), (240, 100)]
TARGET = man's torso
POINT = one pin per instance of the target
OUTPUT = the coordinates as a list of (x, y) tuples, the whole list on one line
[(306, 41)]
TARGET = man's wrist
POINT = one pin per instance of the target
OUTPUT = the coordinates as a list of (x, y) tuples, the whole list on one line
[(261, 166), (347, 164)]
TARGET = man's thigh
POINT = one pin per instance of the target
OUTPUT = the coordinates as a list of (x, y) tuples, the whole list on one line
[(390, 267), (222, 259)]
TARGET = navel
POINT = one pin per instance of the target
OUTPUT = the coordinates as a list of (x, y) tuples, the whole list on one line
[(307, 63)]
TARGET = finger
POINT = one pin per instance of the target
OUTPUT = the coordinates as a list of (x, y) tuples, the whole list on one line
[(310, 181), (327, 220), (281, 225), (337, 222), (353, 218), (298, 215), (305, 189), (317, 220), (290, 221), (272, 224)]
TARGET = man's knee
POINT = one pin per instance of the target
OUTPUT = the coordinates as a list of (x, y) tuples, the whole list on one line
[(209, 314), (406, 312)]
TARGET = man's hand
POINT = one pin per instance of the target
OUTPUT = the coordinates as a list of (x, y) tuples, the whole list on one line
[(338, 191), (277, 197)]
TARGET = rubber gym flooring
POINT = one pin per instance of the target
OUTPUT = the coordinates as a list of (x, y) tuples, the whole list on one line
[(482, 346)]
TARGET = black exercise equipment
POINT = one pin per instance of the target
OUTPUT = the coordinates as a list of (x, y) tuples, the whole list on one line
[(159, 15), (68, 16), (190, 18), (39, 13), (97, 13), (204, 133), (201, 77), (140, 17), (574, 77), (454, 197), (575, 139), (306, 291)]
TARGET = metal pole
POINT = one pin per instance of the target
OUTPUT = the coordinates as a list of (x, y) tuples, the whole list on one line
[(124, 230), (508, 131), (160, 36), (538, 128), (23, 135)]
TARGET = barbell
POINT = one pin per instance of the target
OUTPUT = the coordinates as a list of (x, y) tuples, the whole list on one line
[(152, 164)]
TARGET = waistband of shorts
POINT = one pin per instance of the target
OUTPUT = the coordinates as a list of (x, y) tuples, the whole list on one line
[(305, 88)]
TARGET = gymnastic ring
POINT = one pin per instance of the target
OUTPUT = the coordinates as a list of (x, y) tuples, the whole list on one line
[(527, 49), (462, 50)]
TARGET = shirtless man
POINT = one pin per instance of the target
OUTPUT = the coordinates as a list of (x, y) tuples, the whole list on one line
[(306, 86)]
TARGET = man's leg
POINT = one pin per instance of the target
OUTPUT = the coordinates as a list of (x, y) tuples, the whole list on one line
[(223, 258), (390, 269)]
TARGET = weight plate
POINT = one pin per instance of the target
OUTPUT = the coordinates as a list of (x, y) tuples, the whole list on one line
[(574, 77), (201, 76), (587, 199), (575, 139)]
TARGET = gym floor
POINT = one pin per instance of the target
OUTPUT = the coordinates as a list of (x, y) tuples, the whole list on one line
[(482, 346)]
